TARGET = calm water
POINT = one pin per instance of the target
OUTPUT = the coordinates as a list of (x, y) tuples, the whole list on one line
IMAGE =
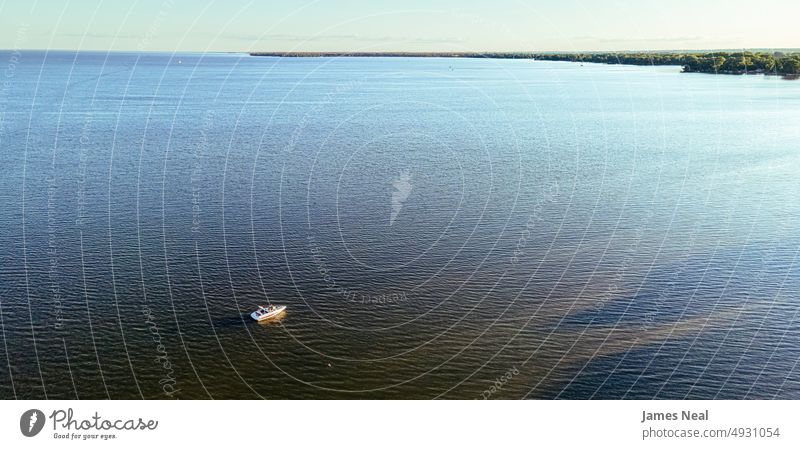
[(435, 226)]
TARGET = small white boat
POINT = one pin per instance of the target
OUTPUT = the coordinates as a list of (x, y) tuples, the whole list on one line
[(266, 313)]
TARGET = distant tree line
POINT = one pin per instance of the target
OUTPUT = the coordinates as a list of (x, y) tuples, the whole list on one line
[(776, 63), (719, 62)]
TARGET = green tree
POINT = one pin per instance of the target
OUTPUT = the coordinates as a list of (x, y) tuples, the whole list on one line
[(717, 63), (692, 62), (791, 65)]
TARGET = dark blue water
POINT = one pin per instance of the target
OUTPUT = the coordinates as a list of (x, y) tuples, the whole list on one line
[(437, 228)]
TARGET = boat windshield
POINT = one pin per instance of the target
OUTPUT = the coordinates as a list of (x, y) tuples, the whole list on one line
[(265, 310)]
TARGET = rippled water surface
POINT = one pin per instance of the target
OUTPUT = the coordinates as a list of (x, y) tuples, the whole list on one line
[(452, 228)]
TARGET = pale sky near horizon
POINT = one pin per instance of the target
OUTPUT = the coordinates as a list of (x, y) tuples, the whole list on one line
[(407, 25)]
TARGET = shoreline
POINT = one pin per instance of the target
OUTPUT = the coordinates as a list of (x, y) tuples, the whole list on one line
[(782, 64)]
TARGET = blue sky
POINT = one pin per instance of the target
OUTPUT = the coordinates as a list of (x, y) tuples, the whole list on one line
[(410, 25)]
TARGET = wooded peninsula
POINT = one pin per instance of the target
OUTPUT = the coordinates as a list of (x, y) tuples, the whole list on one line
[(734, 63)]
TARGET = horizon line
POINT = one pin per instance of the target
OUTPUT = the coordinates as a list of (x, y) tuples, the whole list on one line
[(400, 52)]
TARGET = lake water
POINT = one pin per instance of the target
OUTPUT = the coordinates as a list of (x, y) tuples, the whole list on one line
[(438, 228)]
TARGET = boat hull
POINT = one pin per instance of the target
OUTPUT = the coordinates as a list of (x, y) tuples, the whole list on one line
[(268, 316)]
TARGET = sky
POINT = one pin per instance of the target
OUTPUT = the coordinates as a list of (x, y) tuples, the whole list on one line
[(407, 25)]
